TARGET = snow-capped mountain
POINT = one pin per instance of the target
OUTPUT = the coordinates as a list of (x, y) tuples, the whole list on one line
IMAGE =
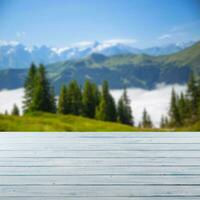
[(16, 55), (167, 49)]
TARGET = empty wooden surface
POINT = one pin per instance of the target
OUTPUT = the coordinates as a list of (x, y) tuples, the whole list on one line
[(100, 166)]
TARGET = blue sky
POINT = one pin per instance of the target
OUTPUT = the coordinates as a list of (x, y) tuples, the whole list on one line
[(62, 22)]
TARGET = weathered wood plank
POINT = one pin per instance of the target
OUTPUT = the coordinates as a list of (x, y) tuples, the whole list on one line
[(97, 135), (81, 162), (106, 166), (99, 154), (100, 180), (98, 198), (94, 141), (100, 170), (101, 191), (97, 147)]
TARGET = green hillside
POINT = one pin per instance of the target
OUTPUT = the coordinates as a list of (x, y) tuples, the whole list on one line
[(53, 122), (121, 71), (193, 127), (188, 57), (129, 70), (46, 122), (12, 78)]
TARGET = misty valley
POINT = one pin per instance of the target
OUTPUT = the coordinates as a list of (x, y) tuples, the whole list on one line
[(155, 101)]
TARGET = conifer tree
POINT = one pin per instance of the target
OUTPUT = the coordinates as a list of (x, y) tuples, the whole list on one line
[(6, 112), (140, 125), (146, 120), (53, 101), (15, 110), (43, 99), (75, 98), (184, 108), (162, 122), (29, 87), (106, 110), (166, 121), (174, 114), (124, 110), (100, 113), (198, 107), (112, 110), (192, 95), (88, 100), (97, 95), (63, 104)]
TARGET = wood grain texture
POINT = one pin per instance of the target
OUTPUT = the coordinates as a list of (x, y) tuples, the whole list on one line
[(101, 166)]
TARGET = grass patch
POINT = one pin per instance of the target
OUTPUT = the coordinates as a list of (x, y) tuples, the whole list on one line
[(53, 122), (191, 128)]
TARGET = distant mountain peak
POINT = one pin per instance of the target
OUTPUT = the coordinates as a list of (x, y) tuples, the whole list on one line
[(17, 55)]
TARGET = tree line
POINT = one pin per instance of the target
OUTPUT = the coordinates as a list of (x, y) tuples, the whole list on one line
[(184, 107), (98, 103), (89, 101)]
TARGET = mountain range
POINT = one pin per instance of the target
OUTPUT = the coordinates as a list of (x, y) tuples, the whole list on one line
[(124, 70), (16, 55)]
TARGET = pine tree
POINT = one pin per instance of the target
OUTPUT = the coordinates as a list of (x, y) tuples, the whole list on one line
[(29, 88), (112, 110), (198, 108), (162, 122), (53, 101), (75, 98), (192, 95), (63, 104), (101, 110), (140, 125), (184, 109), (15, 110), (106, 110), (174, 113), (88, 100), (146, 120), (97, 95), (121, 110), (124, 110), (43, 99)]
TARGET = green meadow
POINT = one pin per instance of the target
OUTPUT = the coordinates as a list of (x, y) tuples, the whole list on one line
[(55, 122)]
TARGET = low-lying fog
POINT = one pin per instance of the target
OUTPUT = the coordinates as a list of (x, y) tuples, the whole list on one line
[(155, 101)]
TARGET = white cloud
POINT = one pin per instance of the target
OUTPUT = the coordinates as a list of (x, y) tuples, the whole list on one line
[(10, 97), (182, 33), (121, 41), (59, 50), (186, 27), (99, 46), (155, 101), (109, 43), (78, 45), (165, 36), (82, 44)]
